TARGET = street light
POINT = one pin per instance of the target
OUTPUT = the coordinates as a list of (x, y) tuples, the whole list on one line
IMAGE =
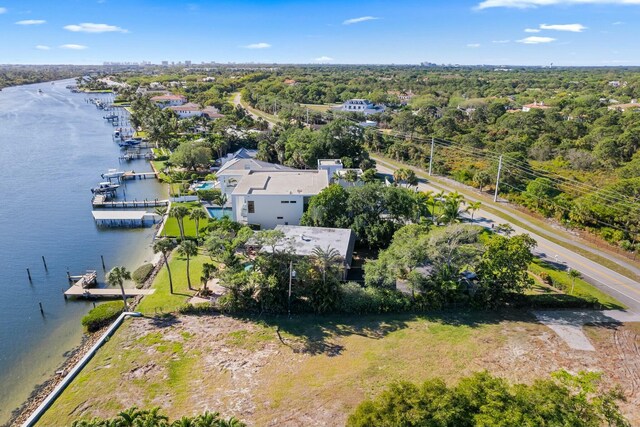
[(292, 274)]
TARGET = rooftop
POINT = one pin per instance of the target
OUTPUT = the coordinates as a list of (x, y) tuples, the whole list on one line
[(283, 182), (329, 162), (186, 107), (249, 164), (168, 97), (303, 240)]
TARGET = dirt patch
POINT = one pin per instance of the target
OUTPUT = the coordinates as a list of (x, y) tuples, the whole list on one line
[(315, 372)]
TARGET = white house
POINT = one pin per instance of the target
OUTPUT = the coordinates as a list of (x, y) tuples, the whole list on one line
[(230, 174), (242, 153), (169, 100), (187, 110), (270, 198), (363, 106), (337, 172), (535, 106)]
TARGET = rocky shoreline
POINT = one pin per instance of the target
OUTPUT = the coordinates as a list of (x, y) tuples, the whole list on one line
[(73, 356)]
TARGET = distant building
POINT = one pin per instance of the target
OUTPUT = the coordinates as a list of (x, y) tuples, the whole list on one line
[(290, 82), (169, 100), (363, 106), (632, 106), (186, 111), (243, 153), (187, 63), (536, 105), (403, 96), (165, 63)]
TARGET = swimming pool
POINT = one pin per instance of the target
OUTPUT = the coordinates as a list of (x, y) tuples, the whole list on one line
[(207, 185), (215, 212)]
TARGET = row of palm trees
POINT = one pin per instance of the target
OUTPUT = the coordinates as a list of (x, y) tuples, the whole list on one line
[(180, 212), (134, 417)]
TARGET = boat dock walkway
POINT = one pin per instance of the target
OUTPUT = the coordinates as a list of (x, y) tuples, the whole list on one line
[(134, 156), (99, 201), (139, 175), (78, 291), (88, 279)]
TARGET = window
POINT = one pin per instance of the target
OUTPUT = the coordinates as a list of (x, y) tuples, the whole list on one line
[(251, 207), (280, 217), (284, 201), (293, 201)]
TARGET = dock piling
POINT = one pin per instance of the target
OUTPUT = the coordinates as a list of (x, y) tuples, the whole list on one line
[(45, 263), (29, 274), (103, 266), (41, 309)]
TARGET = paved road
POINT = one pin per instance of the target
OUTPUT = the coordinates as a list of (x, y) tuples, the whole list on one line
[(623, 288), (238, 101)]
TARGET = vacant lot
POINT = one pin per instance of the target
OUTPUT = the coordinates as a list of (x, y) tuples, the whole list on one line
[(306, 371)]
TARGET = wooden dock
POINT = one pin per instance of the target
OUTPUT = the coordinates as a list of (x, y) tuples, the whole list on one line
[(139, 175), (80, 292), (101, 202), (134, 156), (90, 278)]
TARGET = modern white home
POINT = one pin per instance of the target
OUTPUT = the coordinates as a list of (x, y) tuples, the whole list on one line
[(338, 174), (267, 199), (232, 171), (363, 106)]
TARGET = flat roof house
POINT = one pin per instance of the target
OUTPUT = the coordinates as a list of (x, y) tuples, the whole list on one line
[(187, 110), (303, 240), (271, 198), (363, 106), (230, 174), (535, 106)]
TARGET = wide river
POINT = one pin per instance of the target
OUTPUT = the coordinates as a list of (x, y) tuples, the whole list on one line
[(53, 148)]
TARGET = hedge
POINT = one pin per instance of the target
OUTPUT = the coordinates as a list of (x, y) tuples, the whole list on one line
[(102, 315)]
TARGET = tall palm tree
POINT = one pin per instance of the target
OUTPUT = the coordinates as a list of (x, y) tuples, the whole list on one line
[(179, 212), (116, 277), (196, 215), (473, 207), (165, 246), (451, 208), (325, 259), (188, 249)]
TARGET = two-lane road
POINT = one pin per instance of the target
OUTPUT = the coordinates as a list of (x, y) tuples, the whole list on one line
[(623, 288)]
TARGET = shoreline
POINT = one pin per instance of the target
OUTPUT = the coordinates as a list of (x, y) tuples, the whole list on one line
[(72, 357)]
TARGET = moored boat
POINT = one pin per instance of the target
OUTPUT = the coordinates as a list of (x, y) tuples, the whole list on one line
[(105, 187)]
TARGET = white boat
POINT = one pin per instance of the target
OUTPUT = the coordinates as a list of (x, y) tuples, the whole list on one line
[(105, 187), (112, 173), (117, 135)]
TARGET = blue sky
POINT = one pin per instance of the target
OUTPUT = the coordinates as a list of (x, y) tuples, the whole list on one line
[(526, 32)]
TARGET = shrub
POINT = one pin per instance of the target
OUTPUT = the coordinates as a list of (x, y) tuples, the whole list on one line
[(546, 278), (355, 299), (102, 315), (142, 272)]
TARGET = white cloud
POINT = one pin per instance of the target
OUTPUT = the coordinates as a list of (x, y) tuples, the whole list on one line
[(574, 28), (31, 22), (261, 45), (324, 58), (617, 23), (73, 46), (360, 19), (89, 27), (43, 47), (523, 4), (500, 41), (473, 45), (531, 30), (536, 40), (3, 10)]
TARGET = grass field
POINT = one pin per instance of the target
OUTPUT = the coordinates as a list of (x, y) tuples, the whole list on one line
[(162, 301), (171, 227), (315, 370)]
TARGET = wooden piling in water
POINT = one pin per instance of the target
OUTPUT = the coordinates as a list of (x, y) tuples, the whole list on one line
[(45, 263), (103, 266), (29, 274), (41, 309)]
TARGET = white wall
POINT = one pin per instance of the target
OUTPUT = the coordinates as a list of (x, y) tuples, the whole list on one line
[(269, 210)]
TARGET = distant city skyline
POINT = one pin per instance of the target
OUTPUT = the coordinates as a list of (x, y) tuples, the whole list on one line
[(467, 32)]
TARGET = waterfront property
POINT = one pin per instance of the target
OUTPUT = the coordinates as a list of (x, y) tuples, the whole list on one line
[(109, 218), (234, 170), (187, 110), (269, 198), (218, 212), (242, 153), (169, 100)]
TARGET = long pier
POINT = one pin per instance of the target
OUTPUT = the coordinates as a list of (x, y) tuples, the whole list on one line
[(101, 202), (139, 175), (134, 156), (78, 291)]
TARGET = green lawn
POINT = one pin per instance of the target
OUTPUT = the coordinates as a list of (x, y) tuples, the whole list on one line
[(171, 227), (582, 289), (162, 301)]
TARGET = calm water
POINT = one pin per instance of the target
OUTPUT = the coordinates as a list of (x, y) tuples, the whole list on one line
[(53, 148)]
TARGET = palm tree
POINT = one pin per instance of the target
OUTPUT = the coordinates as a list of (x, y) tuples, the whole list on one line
[(188, 249), (196, 215), (451, 208), (325, 259), (129, 417), (208, 419), (116, 277), (473, 207), (574, 274), (179, 212), (165, 246)]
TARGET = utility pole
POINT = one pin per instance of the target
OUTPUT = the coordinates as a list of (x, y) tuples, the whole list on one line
[(307, 116), (431, 156), (290, 279), (495, 196)]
